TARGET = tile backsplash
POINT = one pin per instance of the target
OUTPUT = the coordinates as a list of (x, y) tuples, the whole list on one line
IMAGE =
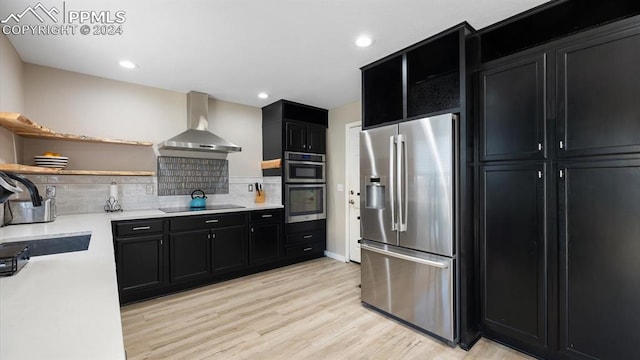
[(181, 175), (76, 194)]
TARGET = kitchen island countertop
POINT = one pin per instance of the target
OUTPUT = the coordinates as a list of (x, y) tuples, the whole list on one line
[(66, 306)]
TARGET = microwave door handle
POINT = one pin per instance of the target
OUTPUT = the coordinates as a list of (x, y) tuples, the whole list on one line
[(392, 174)]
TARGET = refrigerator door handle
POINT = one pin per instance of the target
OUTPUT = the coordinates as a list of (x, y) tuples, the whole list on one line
[(392, 199), (404, 257), (403, 206)]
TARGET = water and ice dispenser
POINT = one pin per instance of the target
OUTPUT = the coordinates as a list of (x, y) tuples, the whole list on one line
[(374, 194)]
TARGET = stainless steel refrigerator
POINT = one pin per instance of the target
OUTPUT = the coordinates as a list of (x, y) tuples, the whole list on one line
[(407, 172)]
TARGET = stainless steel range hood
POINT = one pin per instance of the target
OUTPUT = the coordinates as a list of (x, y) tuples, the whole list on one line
[(198, 138)]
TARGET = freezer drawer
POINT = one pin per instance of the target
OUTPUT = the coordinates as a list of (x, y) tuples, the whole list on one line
[(412, 286)]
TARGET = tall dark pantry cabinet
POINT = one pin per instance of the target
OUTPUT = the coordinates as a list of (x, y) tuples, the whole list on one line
[(558, 187)]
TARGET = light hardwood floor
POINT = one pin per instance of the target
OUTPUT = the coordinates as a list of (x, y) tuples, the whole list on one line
[(304, 311)]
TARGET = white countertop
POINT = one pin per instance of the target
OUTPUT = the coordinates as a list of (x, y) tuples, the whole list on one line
[(66, 306)]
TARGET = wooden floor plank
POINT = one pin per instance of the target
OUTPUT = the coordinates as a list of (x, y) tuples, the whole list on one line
[(310, 310)]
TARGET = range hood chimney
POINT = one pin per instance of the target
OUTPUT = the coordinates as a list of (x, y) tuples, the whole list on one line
[(198, 138)]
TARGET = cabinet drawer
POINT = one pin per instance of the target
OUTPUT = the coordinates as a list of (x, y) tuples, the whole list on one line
[(266, 215), (305, 237), (305, 249), (138, 227), (185, 223)]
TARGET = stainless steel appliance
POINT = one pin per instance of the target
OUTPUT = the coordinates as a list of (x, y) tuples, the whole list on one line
[(305, 202), (13, 257), (23, 212), (304, 168), (407, 172)]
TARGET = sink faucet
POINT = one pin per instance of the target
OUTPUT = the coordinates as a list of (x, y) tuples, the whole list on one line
[(36, 199)]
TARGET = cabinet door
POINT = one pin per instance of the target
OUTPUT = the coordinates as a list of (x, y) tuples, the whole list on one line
[(599, 265), (265, 242), (513, 110), (139, 263), (599, 95), (296, 136), (513, 253), (229, 248), (189, 255), (316, 139)]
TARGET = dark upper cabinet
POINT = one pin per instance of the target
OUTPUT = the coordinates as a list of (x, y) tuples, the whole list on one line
[(513, 252), (599, 267), (228, 249), (139, 262), (382, 91), (513, 108), (316, 139), (423, 79), (289, 126), (305, 138), (599, 95), (433, 82), (189, 255), (296, 138)]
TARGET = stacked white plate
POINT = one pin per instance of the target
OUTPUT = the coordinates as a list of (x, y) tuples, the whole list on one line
[(57, 162)]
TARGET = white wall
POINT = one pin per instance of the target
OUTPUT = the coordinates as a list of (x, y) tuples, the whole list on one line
[(11, 96), (74, 103), (241, 125), (336, 141)]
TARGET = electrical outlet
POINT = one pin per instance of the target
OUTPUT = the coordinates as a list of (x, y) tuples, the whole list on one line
[(250, 188), (149, 189), (50, 191)]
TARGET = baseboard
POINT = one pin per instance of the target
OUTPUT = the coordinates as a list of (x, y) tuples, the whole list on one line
[(335, 256)]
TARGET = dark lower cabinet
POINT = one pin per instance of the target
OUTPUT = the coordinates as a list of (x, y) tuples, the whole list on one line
[(189, 255), (306, 239), (599, 259), (265, 236), (513, 252), (228, 249), (155, 257), (140, 264)]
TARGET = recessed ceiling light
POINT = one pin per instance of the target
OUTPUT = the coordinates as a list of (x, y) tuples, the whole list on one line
[(263, 95), (128, 64), (364, 41)]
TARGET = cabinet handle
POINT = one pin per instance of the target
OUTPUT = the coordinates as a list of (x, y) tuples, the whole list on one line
[(561, 144), (539, 174), (141, 228), (307, 236), (539, 146), (251, 229), (213, 236), (160, 242), (211, 221), (307, 249), (267, 215)]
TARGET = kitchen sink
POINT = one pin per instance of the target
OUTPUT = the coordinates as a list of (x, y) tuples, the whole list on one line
[(55, 245)]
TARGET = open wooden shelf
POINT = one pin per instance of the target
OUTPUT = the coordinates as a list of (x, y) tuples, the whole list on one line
[(37, 170), (21, 125)]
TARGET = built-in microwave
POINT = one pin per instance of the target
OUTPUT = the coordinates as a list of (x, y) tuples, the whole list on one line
[(304, 168), (305, 202)]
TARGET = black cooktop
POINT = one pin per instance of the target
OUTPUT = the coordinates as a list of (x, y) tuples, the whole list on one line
[(208, 207)]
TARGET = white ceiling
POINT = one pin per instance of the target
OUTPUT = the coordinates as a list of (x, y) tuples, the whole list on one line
[(300, 50)]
